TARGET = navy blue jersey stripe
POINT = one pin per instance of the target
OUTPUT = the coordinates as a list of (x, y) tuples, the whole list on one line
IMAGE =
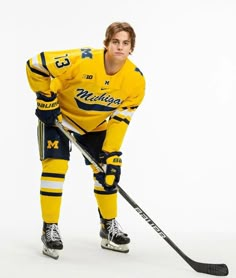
[(121, 120), (44, 62), (94, 107), (37, 71)]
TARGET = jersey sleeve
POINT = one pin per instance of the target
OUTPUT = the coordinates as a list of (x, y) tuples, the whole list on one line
[(120, 119), (45, 66)]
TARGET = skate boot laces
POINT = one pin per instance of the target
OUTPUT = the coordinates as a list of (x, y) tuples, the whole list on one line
[(52, 233), (114, 229)]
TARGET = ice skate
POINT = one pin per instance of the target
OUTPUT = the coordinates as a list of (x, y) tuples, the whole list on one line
[(51, 240), (112, 236)]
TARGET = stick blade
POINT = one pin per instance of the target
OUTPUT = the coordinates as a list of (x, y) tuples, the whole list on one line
[(212, 269)]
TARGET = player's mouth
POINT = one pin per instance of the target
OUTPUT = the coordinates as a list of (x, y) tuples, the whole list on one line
[(119, 53)]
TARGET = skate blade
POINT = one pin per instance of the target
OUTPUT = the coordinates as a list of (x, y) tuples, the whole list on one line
[(109, 245), (52, 253)]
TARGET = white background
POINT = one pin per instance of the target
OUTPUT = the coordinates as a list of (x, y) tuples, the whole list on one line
[(179, 153)]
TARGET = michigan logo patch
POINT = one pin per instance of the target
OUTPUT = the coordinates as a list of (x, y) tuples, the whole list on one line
[(52, 145)]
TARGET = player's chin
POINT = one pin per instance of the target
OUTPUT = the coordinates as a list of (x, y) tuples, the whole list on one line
[(121, 58)]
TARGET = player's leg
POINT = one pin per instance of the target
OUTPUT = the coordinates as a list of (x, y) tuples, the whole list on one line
[(112, 236), (54, 155)]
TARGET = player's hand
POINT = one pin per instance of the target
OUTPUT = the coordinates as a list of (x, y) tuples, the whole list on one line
[(48, 109), (111, 163)]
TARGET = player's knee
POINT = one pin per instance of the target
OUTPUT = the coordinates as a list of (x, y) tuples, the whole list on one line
[(51, 165)]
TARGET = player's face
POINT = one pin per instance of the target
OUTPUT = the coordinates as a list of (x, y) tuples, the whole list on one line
[(119, 47)]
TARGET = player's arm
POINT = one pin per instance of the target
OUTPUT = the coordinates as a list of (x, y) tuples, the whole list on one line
[(120, 120), (45, 66), (116, 130), (41, 70)]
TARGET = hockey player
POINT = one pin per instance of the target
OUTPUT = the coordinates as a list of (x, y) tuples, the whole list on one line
[(93, 93)]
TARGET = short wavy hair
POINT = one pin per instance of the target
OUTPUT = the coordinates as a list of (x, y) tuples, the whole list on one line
[(116, 27)]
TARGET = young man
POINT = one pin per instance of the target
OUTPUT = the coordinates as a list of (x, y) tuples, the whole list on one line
[(94, 93)]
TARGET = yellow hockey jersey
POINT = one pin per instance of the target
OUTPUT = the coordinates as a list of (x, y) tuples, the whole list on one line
[(90, 100)]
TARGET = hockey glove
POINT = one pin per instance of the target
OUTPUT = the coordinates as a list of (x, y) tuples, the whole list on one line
[(48, 109), (111, 163)]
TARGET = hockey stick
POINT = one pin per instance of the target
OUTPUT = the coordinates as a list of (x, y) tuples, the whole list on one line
[(208, 268)]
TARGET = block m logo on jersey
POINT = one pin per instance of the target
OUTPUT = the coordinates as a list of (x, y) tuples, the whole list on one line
[(52, 144)]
